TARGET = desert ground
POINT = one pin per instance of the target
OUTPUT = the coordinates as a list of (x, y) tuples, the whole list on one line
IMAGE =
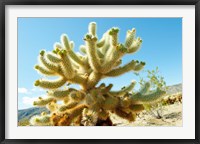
[(169, 115)]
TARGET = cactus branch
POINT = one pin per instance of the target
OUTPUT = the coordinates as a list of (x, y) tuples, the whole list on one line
[(121, 70)]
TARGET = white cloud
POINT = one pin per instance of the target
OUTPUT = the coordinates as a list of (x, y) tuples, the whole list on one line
[(28, 100), (23, 90), (37, 90)]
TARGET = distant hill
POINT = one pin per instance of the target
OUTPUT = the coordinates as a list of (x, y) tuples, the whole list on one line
[(174, 89), (28, 113)]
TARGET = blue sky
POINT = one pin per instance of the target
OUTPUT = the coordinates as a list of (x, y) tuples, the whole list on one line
[(162, 47)]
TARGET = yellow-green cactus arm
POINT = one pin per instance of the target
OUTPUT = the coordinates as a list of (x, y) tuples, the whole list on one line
[(50, 66), (41, 120), (111, 60), (93, 79), (60, 94), (70, 50), (100, 55), (104, 49), (93, 58), (82, 48), (124, 90), (136, 107), (118, 63), (57, 47), (89, 99), (92, 29), (79, 79), (101, 42), (76, 58), (50, 84), (67, 106), (125, 102), (54, 58), (121, 70), (148, 97), (110, 103), (98, 98), (135, 46), (105, 90), (65, 42), (130, 36), (52, 106), (72, 44), (42, 101), (77, 95), (114, 36), (43, 70), (139, 66), (66, 65)]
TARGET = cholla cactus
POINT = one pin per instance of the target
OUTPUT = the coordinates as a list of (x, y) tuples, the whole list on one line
[(100, 59)]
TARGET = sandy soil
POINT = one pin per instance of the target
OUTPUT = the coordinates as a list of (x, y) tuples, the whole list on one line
[(170, 115)]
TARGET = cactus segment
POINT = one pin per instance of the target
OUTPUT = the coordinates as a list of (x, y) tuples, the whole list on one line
[(125, 102), (121, 70), (43, 70), (130, 36), (52, 106), (43, 102), (65, 42), (83, 49), (53, 58), (67, 106), (67, 67), (77, 95), (148, 97), (50, 84), (101, 42), (93, 79), (114, 36), (110, 103), (92, 52), (60, 94), (109, 63), (135, 46), (100, 55), (139, 66), (92, 28), (79, 79), (136, 107), (50, 66), (70, 51), (124, 90), (40, 120)]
